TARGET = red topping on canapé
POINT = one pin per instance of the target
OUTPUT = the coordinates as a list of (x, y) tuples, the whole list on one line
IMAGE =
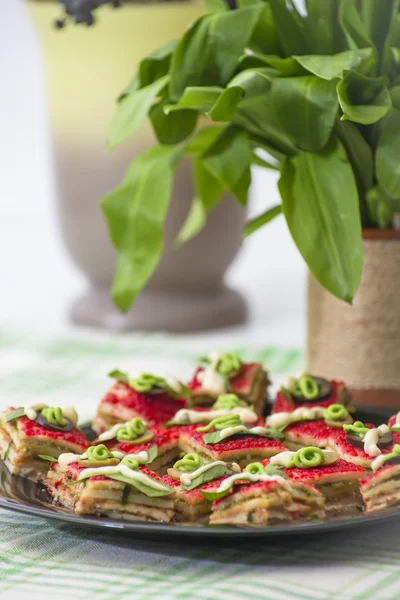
[(241, 384), (240, 442), (154, 409), (32, 429), (316, 473), (319, 431), (338, 439), (194, 495), (392, 421), (164, 437), (284, 404)]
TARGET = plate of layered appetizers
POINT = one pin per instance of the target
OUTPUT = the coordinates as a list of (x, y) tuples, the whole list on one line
[(214, 456)]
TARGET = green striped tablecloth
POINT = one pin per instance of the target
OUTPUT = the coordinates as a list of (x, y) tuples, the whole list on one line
[(39, 559)]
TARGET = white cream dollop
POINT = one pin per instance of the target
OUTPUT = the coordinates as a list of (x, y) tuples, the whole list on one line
[(174, 384), (185, 415), (371, 439), (397, 422), (303, 413), (68, 457), (212, 382)]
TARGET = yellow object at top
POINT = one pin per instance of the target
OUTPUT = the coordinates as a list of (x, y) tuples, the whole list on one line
[(87, 67)]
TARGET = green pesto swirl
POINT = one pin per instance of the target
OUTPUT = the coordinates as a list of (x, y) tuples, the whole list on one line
[(130, 462), (98, 453), (221, 423), (336, 412), (229, 364), (255, 468), (358, 428), (306, 387), (227, 402), (54, 416), (306, 458), (133, 430), (143, 383), (189, 463)]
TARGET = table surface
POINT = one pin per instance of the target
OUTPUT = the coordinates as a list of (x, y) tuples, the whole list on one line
[(39, 559)]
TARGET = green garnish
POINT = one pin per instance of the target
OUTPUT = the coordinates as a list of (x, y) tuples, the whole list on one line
[(147, 382), (54, 416), (15, 414), (131, 462), (229, 364), (214, 472), (358, 428), (98, 453), (336, 412), (147, 489), (47, 457), (227, 402), (152, 454), (306, 458), (125, 494), (394, 453), (7, 452), (255, 468), (222, 422), (306, 387), (275, 470), (215, 436), (133, 430), (189, 463)]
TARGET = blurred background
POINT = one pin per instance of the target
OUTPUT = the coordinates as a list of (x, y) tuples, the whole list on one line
[(39, 280)]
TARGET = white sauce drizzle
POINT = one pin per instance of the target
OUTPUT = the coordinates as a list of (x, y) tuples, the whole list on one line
[(187, 478), (174, 384), (31, 411), (283, 419), (284, 458), (212, 382), (371, 439), (110, 434), (228, 431), (185, 415), (123, 470), (229, 481), (68, 457), (378, 462)]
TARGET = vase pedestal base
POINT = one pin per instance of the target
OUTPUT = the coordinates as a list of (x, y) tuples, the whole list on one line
[(162, 310)]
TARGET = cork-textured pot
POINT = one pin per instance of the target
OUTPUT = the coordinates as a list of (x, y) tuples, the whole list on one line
[(360, 344), (86, 69)]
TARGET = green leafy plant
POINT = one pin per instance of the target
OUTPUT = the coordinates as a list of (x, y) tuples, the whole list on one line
[(315, 96)]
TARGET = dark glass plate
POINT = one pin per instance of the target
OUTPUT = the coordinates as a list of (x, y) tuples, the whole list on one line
[(22, 495)]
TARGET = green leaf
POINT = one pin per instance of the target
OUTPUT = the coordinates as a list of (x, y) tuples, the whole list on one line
[(363, 99), (7, 452), (286, 66), (156, 64), (132, 111), (213, 473), (135, 214), (119, 376), (331, 67), (174, 127), (15, 414), (305, 108), (212, 496), (320, 24), (395, 96), (392, 39), (387, 156), (275, 470), (358, 150), (379, 209), (207, 195), (353, 27), (320, 203), (48, 458), (376, 20), (261, 162), (197, 98), (228, 160), (147, 490), (152, 454), (265, 37), (267, 216), (208, 52), (225, 107), (292, 33), (216, 6), (203, 139)]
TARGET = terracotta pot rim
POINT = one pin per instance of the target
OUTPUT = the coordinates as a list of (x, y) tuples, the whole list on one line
[(381, 234)]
